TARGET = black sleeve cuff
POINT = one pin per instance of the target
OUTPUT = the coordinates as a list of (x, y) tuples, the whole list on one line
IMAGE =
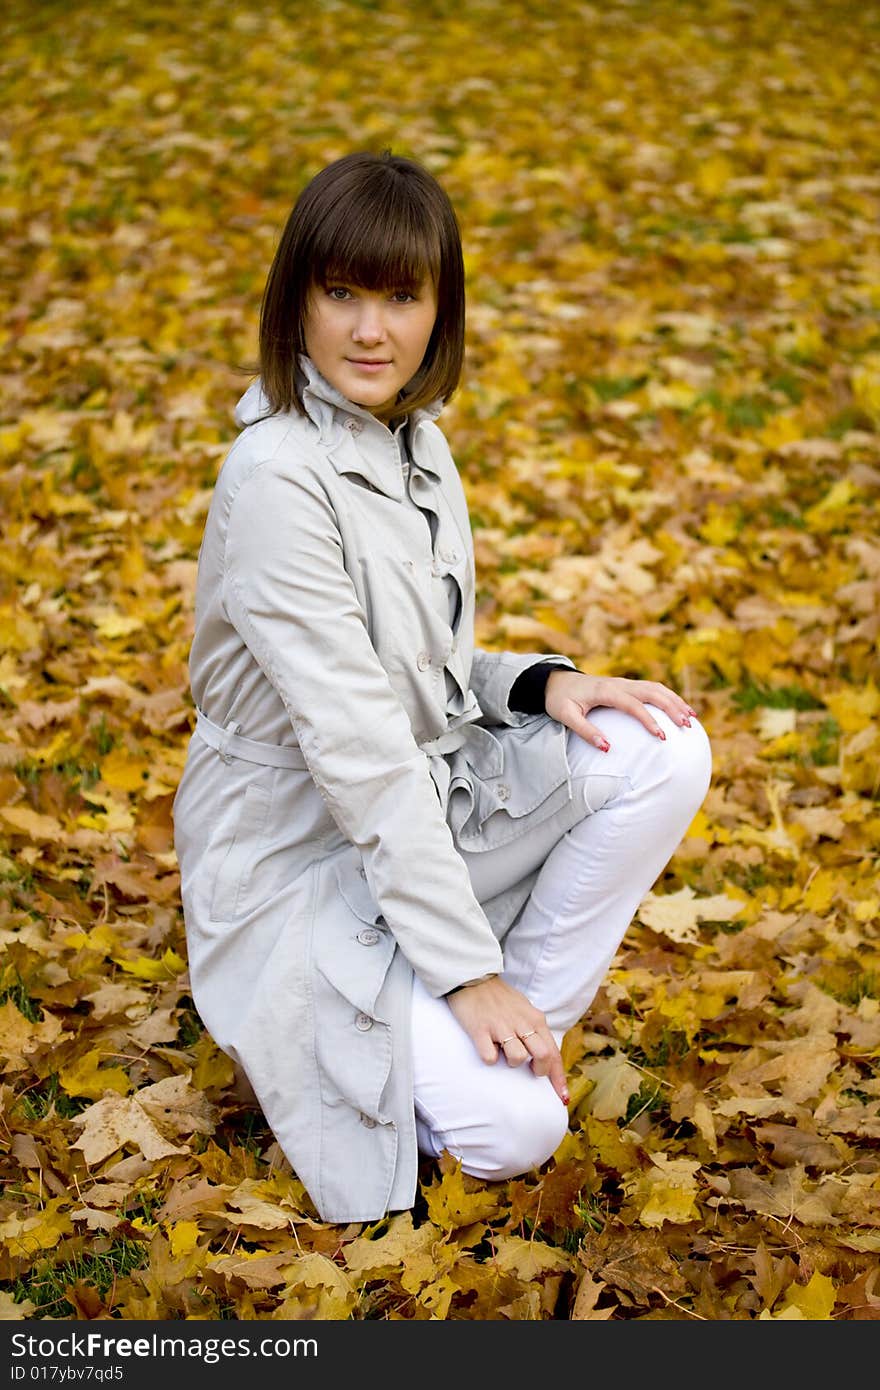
[(527, 693)]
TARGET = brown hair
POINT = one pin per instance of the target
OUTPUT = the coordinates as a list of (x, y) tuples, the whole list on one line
[(379, 221)]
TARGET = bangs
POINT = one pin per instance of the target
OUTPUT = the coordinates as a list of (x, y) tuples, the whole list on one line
[(384, 248)]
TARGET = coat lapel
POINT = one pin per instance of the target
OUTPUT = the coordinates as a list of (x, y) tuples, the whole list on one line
[(349, 455)]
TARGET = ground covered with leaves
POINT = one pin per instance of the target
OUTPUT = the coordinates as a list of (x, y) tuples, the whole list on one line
[(669, 433)]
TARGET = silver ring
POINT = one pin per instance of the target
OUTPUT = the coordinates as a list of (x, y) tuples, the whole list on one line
[(523, 1036), (507, 1040)]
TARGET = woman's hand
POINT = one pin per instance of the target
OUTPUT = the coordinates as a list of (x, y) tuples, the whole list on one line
[(501, 1021), (570, 695)]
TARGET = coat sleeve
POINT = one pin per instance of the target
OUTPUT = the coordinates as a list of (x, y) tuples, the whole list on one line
[(290, 598), (493, 676)]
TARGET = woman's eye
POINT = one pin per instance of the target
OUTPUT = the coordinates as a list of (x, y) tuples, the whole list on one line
[(402, 296), (337, 292)]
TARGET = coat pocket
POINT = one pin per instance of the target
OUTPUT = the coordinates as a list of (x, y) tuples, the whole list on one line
[(234, 875), (494, 799), (352, 946), (351, 955)]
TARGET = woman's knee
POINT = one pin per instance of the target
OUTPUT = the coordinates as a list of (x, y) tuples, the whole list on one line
[(690, 766), (520, 1133), (680, 763)]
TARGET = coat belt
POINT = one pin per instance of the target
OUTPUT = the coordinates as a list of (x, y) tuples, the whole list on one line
[(231, 744)]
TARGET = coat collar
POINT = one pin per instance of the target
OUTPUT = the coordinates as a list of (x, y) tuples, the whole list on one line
[(359, 443)]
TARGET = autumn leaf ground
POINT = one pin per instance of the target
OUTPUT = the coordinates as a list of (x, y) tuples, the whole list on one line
[(669, 437)]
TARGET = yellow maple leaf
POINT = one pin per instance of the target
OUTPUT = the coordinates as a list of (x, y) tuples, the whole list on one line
[(608, 1145), (19, 1036), (438, 1296), (115, 819), (813, 1301), (31, 823), (25, 1235), (714, 174), (551, 618), (668, 1193), (168, 967), (18, 630), (86, 1077), (183, 1237), (450, 1206), (784, 428), (115, 1121), (109, 622), (101, 938), (11, 438), (820, 890), (379, 1258), (125, 771), (212, 1067), (689, 1009), (529, 1259), (677, 915), (615, 1081), (316, 1288), (855, 707), (710, 646), (721, 525)]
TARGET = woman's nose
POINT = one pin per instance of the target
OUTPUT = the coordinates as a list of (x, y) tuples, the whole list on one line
[(370, 324)]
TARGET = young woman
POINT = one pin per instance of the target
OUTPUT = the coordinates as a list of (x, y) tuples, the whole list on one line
[(406, 864)]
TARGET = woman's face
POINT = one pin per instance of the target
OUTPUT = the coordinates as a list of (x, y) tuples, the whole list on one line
[(369, 343)]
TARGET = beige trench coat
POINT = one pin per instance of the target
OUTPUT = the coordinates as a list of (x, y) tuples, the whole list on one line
[(333, 775)]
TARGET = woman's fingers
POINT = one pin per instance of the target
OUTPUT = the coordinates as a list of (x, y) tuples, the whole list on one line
[(538, 1046), (500, 1021), (590, 732), (572, 695), (677, 710), (631, 705)]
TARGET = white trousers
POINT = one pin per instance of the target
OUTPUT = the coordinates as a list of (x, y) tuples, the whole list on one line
[(638, 800)]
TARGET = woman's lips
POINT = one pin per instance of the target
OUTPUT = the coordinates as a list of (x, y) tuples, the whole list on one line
[(371, 368)]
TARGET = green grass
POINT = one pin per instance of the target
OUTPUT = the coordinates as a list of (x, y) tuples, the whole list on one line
[(851, 989), (48, 1098), (825, 749), (613, 388), (15, 992), (648, 1098), (46, 1284), (755, 696)]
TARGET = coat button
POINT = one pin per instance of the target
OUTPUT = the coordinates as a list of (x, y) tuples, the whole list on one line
[(354, 426), (363, 1023), (368, 1121), (503, 791), (368, 937), (449, 556), (423, 660)]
